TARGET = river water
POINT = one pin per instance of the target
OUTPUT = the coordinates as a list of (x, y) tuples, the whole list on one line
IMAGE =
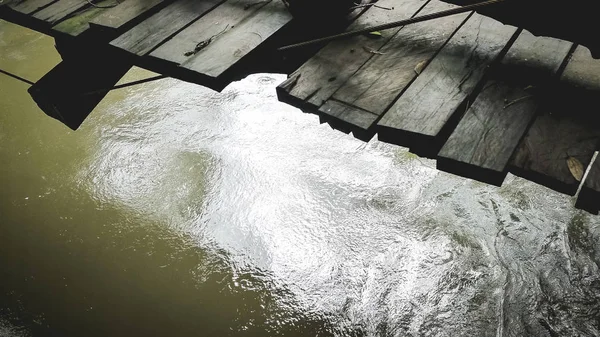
[(178, 211)]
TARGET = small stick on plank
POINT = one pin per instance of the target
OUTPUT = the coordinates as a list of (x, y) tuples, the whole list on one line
[(518, 100), (356, 6), (412, 20)]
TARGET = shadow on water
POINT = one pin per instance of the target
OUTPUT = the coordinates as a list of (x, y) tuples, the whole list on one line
[(176, 210)]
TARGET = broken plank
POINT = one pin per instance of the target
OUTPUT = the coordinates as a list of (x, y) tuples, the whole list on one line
[(151, 32), (317, 79), (566, 127), (59, 10), (589, 196), (128, 12), (377, 83), (428, 106), (344, 117), (486, 137)]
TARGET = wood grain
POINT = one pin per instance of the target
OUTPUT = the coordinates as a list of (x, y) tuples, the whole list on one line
[(542, 155), (59, 10), (230, 47), (382, 78), (486, 137), (451, 78), (226, 16), (378, 82), (127, 11), (29, 6), (153, 31), (78, 23), (317, 79), (567, 127)]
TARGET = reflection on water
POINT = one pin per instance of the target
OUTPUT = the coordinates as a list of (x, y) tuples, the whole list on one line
[(177, 211)]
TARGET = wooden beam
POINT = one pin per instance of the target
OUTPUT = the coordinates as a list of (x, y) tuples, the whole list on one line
[(431, 106), (486, 137)]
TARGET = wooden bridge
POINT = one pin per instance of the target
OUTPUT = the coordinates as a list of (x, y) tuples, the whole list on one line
[(482, 98)]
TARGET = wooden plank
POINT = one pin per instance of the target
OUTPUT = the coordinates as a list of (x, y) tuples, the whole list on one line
[(346, 118), (230, 47), (583, 71), (229, 14), (29, 6), (377, 83), (79, 21), (317, 79), (151, 32), (59, 10), (128, 11), (568, 127), (542, 155), (428, 105), (589, 196), (233, 29), (486, 137)]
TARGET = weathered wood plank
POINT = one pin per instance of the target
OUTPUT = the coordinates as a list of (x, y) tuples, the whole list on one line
[(376, 85), (29, 6), (127, 11), (151, 32), (214, 24), (583, 71), (568, 127), (79, 21), (542, 155), (589, 196), (346, 118), (224, 51), (234, 29), (429, 104), (317, 79), (59, 10), (486, 137)]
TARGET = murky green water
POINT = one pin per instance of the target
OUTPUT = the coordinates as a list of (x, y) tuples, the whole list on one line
[(177, 211)]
